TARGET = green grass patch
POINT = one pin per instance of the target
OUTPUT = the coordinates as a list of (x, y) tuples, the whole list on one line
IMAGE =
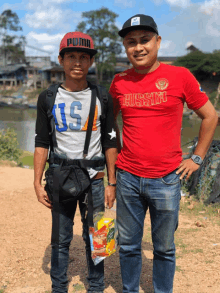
[(26, 159), (147, 237), (194, 207), (178, 269), (9, 92), (34, 94), (197, 250), (78, 287), (209, 261), (182, 247)]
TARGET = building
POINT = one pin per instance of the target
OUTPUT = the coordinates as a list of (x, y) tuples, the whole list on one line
[(13, 74), (38, 61)]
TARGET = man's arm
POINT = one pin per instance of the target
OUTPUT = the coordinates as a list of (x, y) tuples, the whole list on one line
[(111, 156), (207, 129), (116, 112), (40, 158)]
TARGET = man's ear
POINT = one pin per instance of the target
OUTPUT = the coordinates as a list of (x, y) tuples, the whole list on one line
[(60, 59), (158, 42)]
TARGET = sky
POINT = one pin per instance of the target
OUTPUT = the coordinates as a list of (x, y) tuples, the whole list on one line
[(180, 22)]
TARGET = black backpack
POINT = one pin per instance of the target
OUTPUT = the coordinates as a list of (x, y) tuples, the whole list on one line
[(70, 177), (50, 99)]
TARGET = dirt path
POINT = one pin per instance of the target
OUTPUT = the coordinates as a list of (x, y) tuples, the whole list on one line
[(25, 246)]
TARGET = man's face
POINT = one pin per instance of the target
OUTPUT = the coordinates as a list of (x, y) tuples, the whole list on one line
[(76, 64), (142, 47)]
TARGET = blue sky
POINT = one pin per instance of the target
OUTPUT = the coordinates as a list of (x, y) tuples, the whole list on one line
[(180, 22)]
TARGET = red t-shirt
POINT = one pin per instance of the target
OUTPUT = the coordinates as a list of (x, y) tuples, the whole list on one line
[(152, 108)]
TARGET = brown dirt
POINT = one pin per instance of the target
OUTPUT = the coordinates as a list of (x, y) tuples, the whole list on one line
[(25, 246)]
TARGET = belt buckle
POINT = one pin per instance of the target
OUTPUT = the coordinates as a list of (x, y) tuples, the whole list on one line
[(86, 199)]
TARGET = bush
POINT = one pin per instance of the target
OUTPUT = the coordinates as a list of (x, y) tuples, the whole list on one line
[(9, 145)]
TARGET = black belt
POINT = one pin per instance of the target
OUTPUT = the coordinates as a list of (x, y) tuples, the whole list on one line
[(79, 162)]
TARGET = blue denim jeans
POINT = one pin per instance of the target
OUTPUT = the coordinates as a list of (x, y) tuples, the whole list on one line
[(59, 268), (134, 196)]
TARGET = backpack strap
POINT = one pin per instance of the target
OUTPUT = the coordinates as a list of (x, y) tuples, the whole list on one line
[(102, 95), (50, 99), (90, 122)]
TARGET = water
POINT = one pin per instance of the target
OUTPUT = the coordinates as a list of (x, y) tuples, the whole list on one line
[(23, 122)]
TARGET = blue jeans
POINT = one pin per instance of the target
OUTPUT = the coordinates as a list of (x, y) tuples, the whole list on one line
[(134, 196), (59, 268)]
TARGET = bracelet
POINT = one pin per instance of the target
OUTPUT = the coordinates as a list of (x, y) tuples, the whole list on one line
[(111, 184)]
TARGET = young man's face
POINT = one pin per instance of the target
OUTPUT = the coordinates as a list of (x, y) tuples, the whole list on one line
[(142, 47), (76, 64)]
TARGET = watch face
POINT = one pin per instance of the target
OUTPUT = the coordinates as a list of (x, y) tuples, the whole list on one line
[(196, 160)]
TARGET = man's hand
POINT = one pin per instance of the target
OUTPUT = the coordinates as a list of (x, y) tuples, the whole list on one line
[(110, 196), (42, 196), (187, 167)]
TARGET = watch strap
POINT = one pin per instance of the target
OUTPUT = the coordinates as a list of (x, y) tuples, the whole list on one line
[(111, 184)]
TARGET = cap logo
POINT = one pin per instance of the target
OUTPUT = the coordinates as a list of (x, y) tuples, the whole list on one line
[(79, 42), (135, 21)]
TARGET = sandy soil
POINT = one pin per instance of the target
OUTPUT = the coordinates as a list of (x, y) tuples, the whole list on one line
[(25, 246)]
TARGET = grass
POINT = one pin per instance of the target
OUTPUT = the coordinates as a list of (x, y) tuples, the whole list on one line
[(26, 159), (178, 269), (78, 287), (34, 93), (8, 92), (191, 206)]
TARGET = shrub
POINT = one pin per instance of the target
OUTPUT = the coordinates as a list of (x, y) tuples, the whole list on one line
[(9, 145)]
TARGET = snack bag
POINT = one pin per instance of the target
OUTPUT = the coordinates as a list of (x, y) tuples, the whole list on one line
[(103, 235)]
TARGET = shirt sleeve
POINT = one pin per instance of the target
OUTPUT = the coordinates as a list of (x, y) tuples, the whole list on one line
[(109, 140), (194, 95), (113, 93), (42, 138)]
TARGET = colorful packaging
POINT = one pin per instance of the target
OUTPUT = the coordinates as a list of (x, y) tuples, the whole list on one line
[(103, 235)]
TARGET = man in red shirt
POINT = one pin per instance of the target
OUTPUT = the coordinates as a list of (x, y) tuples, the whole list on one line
[(151, 96)]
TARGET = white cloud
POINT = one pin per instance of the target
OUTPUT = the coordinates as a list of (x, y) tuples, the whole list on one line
[(165, 44), (43, 41), (33, 4), (167, 48), (212, 9), (125, 3), (52, 18), (49, 48), (177, 3), (44, 38), (44, 19), (191, 24), (210, 6), (181, 3)]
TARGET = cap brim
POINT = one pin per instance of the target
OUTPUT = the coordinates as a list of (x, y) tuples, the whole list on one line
[(122, 33), (91, 52)]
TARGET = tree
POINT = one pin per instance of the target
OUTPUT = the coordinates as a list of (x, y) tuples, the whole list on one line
[(11, 45), (202, 65), (100, 25)]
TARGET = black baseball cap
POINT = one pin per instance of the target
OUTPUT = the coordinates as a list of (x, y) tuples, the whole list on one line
[(138, 22)]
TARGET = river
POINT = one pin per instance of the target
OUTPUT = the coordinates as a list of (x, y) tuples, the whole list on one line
[(23, 122)]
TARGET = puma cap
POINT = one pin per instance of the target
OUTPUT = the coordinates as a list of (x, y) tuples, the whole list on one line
[(77, 41), (138, 22)]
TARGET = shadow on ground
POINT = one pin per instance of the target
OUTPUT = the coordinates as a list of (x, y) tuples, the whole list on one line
[(78, 267)]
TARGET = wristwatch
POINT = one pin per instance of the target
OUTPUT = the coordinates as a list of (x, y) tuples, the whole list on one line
[(111, 184), (197, 159)]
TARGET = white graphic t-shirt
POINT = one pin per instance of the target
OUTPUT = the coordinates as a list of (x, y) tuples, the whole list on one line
[(71, 113)]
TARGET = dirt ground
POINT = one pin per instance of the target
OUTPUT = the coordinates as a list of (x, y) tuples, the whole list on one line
[(25, 227)]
